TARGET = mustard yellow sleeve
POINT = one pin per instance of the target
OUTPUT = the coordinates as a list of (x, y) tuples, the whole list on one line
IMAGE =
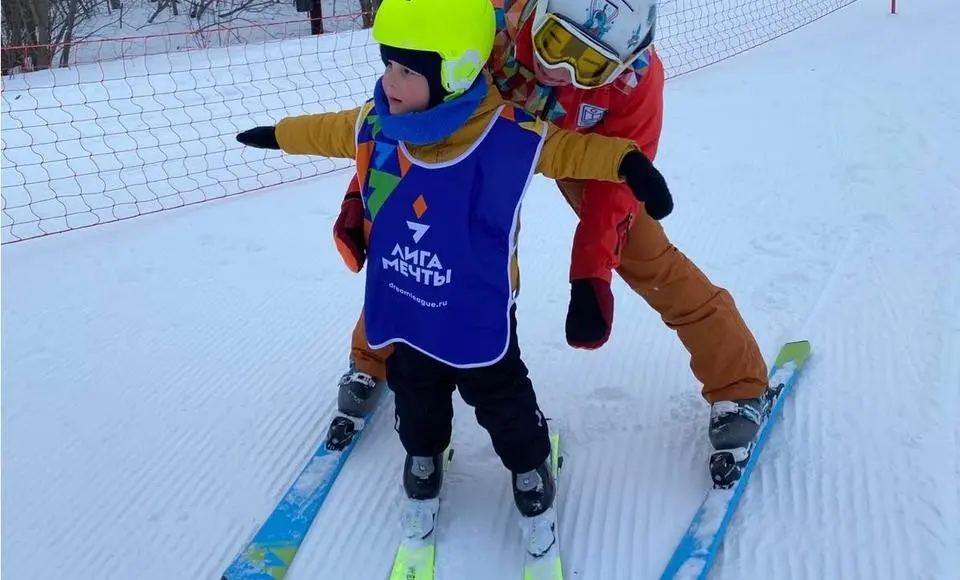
[(326, 134), (569, 155)]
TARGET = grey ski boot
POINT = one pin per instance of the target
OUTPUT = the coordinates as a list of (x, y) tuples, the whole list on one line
[(357, 395), (734, 426)]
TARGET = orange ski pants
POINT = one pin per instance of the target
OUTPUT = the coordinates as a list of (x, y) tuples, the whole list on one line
[(724, 355)]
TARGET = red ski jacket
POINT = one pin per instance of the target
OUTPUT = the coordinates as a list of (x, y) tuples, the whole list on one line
[(630, 107)]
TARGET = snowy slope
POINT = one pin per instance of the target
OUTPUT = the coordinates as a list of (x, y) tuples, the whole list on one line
[(164, 378)]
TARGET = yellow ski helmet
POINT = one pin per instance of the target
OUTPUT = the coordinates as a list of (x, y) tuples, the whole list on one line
[(460, 31)]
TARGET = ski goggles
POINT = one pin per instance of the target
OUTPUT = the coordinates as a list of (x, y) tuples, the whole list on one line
[(559, 43)]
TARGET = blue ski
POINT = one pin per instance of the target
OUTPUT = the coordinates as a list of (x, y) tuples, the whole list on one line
[(699, 546), (271, 551)]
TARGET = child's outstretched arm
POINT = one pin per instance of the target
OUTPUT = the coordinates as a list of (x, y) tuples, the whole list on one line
[(326, 134), (570, 155)]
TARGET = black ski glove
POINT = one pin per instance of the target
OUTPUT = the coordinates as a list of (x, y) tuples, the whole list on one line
[(590, 313), (259, 137), (647, 184)]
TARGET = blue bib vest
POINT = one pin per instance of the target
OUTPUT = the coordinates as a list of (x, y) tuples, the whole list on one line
[(442, 239)]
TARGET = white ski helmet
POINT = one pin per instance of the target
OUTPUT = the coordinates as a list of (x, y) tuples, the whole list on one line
[(579, 34)]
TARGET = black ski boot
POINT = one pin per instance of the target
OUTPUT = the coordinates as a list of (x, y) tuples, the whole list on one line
[(534, 493), (422, 479), (423, 476), (733, 430)]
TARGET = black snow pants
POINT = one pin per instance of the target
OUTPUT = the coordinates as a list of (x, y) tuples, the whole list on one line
[(501, 395)]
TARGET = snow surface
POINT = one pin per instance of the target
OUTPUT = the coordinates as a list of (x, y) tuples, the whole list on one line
[(165, 378)]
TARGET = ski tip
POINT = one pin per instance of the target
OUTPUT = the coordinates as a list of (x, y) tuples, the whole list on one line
[(796, 352)]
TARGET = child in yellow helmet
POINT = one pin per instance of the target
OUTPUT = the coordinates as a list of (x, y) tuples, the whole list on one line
[(443, 163)]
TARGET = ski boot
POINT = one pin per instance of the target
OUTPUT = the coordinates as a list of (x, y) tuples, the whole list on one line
[(534, 493), (357, 393), (734, 426), (356, 398), (422, 479)]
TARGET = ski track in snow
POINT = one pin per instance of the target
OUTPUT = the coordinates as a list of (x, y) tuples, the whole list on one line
[(165, 379)]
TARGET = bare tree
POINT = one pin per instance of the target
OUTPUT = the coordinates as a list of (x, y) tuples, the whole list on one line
[(26, 26), (368, 8), (316, 17), (43, 33), (161, 4), (34, 30)]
